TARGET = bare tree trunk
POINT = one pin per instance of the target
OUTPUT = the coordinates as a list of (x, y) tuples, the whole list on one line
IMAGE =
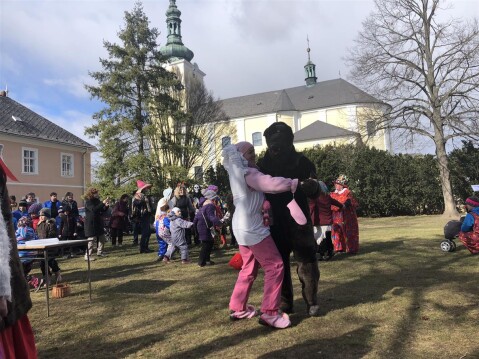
[(450, 210)]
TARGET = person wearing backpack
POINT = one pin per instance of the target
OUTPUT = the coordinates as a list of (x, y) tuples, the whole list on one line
[(162, 227), (205, 219)]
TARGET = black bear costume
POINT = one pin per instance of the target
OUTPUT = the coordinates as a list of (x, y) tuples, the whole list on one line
[(281, 159)]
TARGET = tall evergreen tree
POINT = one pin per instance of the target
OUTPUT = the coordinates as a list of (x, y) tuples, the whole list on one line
[(131, 81)]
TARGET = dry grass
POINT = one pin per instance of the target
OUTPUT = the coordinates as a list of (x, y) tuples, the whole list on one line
[(401, 297)]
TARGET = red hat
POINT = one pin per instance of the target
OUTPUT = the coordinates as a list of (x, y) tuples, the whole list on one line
[(142, 185)]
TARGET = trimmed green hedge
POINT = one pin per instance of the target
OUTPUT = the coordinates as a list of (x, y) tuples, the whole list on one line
[(386, 184)]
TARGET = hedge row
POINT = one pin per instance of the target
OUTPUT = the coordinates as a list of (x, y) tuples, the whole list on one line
[(386, 184)]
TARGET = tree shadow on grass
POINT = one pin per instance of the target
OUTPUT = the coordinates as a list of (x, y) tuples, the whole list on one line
[(353, 344), (122, 271), (142, 286), (409, 270), (223, 342), (102, 349), (366, 248)]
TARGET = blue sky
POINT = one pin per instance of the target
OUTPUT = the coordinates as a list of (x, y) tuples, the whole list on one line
[(47, 47)]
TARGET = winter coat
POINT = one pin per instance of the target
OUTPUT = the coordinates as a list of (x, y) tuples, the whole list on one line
[(68, 226), (320, 209), (74, 206), (141, 208), (47, 229), (94, 225), (54, 206), (119, 215), (208, 210), (22, 235), (19, 214), (468, 223), (178, 228)]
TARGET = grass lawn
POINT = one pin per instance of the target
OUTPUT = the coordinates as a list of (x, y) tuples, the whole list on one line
[(400, 297)]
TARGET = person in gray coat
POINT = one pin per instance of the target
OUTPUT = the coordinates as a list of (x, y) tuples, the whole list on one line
[(178, 227)]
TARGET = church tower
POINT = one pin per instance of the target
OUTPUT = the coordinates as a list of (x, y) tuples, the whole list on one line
[(310, 69), (178, 55)]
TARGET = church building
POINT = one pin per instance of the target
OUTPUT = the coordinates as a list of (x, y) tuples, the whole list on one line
[(320, 113)]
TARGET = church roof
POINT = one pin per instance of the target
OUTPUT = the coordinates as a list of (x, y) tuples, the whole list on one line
[(16, 119), (323, 94), (321, 131)]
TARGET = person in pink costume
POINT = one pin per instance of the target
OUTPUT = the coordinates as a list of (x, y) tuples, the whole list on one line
[(256, 245)]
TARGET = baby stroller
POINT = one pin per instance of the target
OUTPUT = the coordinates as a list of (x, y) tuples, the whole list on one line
[(451, 231)]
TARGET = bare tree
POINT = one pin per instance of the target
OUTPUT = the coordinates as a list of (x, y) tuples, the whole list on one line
[(187, 135), (426, 67)]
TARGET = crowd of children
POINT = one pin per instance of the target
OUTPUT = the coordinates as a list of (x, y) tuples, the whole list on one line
[(180, 215), (172, 225), (33, 220)]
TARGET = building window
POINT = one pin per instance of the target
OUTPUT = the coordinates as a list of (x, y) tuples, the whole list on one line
[(225, 141), (371, 128), (67, 165), (30, 160), (199, 174), (257, 139)]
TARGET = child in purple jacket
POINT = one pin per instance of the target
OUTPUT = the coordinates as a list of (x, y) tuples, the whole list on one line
[(205, 219)]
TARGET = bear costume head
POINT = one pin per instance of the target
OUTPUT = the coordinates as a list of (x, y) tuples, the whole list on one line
[(279, 139)]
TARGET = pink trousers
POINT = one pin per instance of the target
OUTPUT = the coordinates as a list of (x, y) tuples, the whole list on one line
[(265, 254)]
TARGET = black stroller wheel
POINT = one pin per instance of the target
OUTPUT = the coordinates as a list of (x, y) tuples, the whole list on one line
[(453, 246), (446, 245)]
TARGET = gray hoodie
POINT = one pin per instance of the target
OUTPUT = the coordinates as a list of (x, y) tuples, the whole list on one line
[(177, 229)]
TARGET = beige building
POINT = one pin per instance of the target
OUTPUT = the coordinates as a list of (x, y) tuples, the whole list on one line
[(44, 157), (320, 113)]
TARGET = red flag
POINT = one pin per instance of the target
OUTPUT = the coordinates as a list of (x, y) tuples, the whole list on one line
[(7, 171)]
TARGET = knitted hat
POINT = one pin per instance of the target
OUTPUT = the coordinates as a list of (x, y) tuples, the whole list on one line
[(208, 193), (22, 203), (473, 201), (45, 212), (212, 187), (176, 211), (35, 208)]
